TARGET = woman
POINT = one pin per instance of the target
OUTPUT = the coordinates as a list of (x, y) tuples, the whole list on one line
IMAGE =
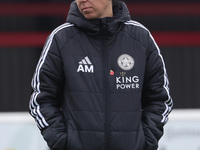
[(101, 82)]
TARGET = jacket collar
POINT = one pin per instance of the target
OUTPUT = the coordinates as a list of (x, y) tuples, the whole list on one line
[(94, 26)]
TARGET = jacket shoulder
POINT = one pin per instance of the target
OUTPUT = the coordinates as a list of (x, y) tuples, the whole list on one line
[(64, 32), (137, 31), (136, 26), (58, 38)]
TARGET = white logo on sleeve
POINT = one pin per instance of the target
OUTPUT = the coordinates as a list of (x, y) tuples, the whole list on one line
[(85, 65)]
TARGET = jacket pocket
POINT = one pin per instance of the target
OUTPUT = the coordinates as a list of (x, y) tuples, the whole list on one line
[(56, 140), (74, 141), (141, 141), (151, 141)]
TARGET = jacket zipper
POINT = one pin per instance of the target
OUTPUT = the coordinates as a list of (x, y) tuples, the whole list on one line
[(106, 88)]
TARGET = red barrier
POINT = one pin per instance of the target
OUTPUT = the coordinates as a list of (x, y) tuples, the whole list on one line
[(169, 38), (164, 8), (34, 9), (23, 39), (147, 9), (32, 39), (37, 39)]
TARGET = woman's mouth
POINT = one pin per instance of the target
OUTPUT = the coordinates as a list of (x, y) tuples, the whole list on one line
[(86, 9)]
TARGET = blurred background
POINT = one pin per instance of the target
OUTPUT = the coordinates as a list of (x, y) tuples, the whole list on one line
[(175, 25)]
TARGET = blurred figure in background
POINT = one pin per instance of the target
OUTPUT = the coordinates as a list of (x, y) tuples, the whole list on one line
[(101, 82)]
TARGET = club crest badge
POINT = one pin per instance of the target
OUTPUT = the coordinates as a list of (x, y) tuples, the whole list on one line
[(126, 62)]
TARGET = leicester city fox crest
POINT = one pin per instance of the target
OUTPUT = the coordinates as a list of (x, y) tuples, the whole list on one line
[(125, 62)]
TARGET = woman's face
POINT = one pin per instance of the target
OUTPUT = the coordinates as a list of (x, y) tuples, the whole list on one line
[(92, 9)]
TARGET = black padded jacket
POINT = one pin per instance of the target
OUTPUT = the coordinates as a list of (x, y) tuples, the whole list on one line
[(101, 84)]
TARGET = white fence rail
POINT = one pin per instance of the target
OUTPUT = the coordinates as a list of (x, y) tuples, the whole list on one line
[(18, 131), (182, 132)]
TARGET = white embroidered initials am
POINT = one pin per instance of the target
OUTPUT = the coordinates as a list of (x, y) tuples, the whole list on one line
[(85, 65)]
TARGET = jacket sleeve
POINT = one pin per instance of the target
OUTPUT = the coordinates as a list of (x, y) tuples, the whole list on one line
[(47, 84), (156, 100)]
